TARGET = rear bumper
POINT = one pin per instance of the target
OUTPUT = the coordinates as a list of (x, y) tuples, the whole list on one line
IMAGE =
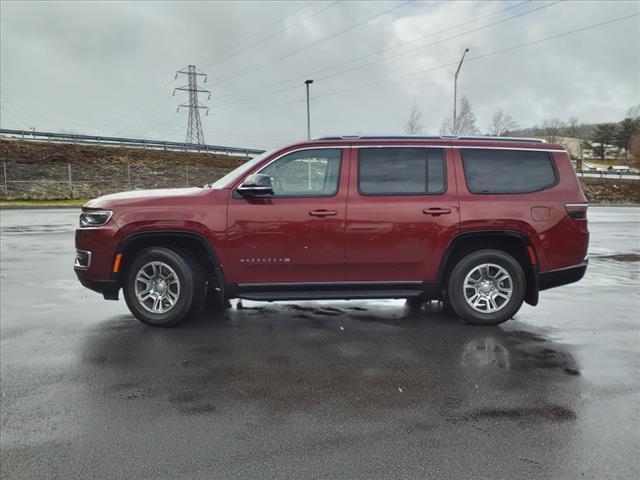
[(108, 288), (562, 276)]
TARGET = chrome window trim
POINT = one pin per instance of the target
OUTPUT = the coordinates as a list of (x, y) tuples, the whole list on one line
[(373, 145), (408, 145), (445, 176), (337, 147), (316, 147), (431, 137), (511, 148), (453, 147)]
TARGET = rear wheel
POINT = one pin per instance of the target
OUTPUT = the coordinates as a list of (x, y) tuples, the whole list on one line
[(163, 285), (486, 287)]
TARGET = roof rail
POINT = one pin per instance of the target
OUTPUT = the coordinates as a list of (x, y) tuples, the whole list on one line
[(430, 137), (501, 139)]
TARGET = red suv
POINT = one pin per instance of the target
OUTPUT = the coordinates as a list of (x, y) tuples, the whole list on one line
[(481, 223)]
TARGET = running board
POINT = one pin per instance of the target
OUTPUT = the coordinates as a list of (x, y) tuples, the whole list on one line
[(332, 291), (328, 295)]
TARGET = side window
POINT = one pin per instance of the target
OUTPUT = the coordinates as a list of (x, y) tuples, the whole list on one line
[(313, 173), (507, 171), (401, 171)]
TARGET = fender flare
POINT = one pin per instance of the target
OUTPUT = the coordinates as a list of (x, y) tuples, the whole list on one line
[(219, 274), (531, 271)]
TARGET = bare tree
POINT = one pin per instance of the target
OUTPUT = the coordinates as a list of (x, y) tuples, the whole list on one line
[(501, 123), (552, 129), (414, 123), (465, 123), (634, 112), (573, 127)]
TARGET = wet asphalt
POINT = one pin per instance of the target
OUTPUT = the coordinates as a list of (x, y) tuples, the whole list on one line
[(350, 390)]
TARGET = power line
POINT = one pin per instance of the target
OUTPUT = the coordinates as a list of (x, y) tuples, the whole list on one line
[(165, 102), (452, 37), (348, 62), (273, 60), (482, 27), (308, 4), (15, 116), (427, 70), (146, 99), (262, 40), (268, 27)]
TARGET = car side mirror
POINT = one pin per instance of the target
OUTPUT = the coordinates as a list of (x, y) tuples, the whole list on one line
[(256, 185)]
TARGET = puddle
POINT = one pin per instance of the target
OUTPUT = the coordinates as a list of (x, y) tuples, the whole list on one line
[(184, 397), (547, 412), (620, 257), (199, 409)]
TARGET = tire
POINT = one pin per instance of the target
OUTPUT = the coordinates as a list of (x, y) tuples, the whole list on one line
[(169, 302), (486, 287)]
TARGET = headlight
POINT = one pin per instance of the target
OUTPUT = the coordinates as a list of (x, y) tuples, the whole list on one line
[(94, 218)]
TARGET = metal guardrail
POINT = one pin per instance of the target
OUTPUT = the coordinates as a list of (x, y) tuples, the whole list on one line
[(126, 142), (610, 175)]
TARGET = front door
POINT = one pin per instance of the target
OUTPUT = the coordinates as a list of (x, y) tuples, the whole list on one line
[(401, 211), (297, 234)]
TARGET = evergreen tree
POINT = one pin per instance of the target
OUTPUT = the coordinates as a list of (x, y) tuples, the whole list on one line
[(603, 137), (627, 128)]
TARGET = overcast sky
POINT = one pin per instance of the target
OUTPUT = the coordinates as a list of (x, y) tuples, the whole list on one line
[(108, 68)]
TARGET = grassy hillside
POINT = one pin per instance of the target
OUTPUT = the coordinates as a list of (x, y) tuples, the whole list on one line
[(20, 151), (615, 191), (47, 171)]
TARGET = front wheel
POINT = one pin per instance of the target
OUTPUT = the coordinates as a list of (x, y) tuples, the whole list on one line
[(486, 287), (162, 286)]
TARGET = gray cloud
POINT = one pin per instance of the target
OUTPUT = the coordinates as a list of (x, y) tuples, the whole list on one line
[(107, 67)]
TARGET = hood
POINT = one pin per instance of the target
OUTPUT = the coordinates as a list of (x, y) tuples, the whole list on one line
[(163, 196)]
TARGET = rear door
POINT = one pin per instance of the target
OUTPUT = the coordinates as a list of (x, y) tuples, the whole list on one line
[(401, 212), (298, 234)]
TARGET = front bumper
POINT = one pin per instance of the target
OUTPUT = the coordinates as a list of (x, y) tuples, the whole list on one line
[(562, 276), (108, 288)]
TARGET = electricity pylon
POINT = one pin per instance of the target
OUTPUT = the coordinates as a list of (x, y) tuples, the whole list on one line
[(195, 135)]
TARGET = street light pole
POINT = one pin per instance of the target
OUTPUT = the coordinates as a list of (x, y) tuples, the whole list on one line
[(307, 83), (455, 90)]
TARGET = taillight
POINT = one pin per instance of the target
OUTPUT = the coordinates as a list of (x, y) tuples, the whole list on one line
[(577, 210)]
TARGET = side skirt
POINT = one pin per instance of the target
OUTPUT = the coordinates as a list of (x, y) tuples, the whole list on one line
[(332, 291)]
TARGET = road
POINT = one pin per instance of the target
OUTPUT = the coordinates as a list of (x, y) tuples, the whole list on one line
[(353, 390)]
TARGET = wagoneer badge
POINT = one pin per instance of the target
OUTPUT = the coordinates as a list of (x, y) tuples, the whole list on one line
[(265, 260)]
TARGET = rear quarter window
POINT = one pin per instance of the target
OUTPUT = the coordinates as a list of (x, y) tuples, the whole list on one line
[(508, 171)]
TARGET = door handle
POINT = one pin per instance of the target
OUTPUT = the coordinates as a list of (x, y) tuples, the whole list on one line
[(322, 213), (436, 211)]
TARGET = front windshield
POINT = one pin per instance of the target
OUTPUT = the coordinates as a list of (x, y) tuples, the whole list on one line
[(233, 175)]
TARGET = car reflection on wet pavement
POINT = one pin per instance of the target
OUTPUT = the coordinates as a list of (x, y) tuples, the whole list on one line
[(366, 389)]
